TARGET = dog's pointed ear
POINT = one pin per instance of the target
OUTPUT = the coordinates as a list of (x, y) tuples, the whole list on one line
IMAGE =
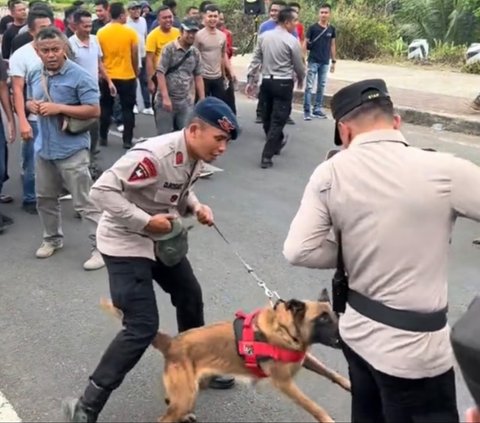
[(297, 307), (324, 297)]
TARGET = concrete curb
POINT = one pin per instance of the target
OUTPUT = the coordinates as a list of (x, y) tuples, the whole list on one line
[(415, 117)]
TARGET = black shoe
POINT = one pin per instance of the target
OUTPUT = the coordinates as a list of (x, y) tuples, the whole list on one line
[(30, 208), (103, 142), (6, 220), (221, 382), (75, 411), (258, 119), (290, 121), (266, 163), (127, 145), (282, 145)]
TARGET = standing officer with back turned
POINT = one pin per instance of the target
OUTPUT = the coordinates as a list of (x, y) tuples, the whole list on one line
[(391, 208)]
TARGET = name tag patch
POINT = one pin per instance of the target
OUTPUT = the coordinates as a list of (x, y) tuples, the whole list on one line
[(172, 185)]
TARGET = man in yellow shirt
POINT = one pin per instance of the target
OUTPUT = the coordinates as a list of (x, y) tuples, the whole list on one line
[(119, 44), (156, 40)]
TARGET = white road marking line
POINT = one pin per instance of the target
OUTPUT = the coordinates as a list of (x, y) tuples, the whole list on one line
[(7, 413)]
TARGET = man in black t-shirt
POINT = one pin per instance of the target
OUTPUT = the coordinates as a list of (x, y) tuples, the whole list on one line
[(320, 40), (19, 14), (103, 17)]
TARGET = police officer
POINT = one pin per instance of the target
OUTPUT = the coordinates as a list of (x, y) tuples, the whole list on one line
[(141, 237), (391, 208), (279, 55)]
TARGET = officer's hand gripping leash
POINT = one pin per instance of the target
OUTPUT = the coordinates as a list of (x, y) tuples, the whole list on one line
[(268, 292)]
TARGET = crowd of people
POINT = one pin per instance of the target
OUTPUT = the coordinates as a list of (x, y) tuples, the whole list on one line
[(174, 61)]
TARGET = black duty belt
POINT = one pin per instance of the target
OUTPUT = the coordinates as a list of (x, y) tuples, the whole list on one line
[(412, 321)]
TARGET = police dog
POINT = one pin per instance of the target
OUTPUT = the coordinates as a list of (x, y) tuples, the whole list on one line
[(196, 354)]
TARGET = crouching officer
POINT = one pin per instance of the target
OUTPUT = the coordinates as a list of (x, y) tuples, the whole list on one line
[(141, 238), (391, 208)]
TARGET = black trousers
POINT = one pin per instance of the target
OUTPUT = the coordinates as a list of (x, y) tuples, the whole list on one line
[(131, 290), (127, 92), (380, 398), (214, 88), (230, 96), (277, 96)]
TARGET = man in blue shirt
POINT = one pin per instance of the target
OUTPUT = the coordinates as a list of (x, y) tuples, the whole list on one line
[(57, 89), (321, 44)]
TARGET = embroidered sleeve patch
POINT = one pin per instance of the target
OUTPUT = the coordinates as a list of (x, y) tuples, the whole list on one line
[(144, 170)]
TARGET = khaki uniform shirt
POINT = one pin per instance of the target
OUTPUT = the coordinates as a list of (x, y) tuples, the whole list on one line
[(155, 176), (395, 207)]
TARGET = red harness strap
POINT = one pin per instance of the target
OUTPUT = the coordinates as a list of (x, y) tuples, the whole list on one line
[(252, 350)]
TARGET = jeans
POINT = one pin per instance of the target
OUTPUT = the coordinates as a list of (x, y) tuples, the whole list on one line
[(143, 81), (381, 398), (28, 166), (277, 96), (175, 120), (319, 71), (3, 156)]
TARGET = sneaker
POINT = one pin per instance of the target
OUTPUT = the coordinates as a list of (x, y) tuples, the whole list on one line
[(135, 109), (95, 261), (258, 119), (7, 221), (65, 197), (307, 116), (5, 199), (30, 208), (120, 128), (148, 111), (47, 249), (221, 382), (74, 411), (290, 121), (319, 114)]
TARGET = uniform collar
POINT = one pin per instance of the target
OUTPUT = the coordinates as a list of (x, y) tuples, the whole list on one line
[(180, 153), (390, 135), (178, 46), (61, 71)]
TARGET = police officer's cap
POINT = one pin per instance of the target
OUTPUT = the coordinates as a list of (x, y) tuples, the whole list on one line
[(216, 113), (353, 96), (465, 337)]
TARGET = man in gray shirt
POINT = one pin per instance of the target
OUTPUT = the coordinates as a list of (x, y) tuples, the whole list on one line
[(279, 55)]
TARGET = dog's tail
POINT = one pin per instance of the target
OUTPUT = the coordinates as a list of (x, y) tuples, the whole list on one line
[(107, 306), (161, 341)]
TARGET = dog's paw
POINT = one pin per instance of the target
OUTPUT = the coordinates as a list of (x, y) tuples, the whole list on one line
[(189, 418)]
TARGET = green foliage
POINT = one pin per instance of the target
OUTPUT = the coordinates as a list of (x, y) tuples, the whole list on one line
[(397, 48), (446, 20), (472, 68), (448, 53), (362, 35)]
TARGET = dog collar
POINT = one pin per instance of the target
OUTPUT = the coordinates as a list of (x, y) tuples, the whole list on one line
[(253, 350)]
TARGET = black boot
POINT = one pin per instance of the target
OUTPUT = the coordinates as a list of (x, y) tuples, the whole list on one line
[(221, 382), (88, 407)]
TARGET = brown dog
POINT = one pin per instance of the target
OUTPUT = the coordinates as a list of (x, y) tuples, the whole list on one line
[(199, 353)]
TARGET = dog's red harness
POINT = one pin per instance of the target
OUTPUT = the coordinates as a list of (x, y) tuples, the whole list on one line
[(253, 350)]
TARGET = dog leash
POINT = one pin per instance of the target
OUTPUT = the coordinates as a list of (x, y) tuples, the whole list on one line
[(261, 283)]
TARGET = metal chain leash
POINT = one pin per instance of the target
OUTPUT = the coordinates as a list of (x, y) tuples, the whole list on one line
[(271, 294)]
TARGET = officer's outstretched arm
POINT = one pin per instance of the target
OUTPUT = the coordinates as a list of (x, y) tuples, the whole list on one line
[(310, 241), (134, 171), (465, 188)]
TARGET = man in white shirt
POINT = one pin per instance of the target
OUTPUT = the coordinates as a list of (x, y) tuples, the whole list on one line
[(88, 55), (139, 24), (21, 63)]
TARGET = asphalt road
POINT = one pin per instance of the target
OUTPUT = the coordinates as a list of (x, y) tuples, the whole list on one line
[(52, 332)]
